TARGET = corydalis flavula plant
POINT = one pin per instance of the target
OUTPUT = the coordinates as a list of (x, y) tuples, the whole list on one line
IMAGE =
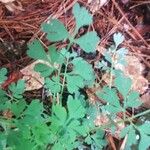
[(75, 78), (69, 125)]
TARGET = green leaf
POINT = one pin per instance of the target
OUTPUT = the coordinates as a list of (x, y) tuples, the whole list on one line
[(41, 134), (17, 108), (118, 39), (76, 126), (122, 52), (53, 85), (145, 128), (144, 143), (4, 102), (36, 51), (58, 146), (68, 54), (110, 96), (82, 16), (53, 54), (130, 132), (112, 109), (3, 140), (123, 84), (3, 72), (131, 139), (121, 56), (133, 100), (35, 108), (125, 131), (60, 114), (98, 140), (88, 140), (16, 141), (88, 42), (55, 30), (44, 69), (83, 68), (74, 83), (17, 89), (75, 108)]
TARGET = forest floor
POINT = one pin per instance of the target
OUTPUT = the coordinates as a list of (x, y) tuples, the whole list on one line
[(20, 24)]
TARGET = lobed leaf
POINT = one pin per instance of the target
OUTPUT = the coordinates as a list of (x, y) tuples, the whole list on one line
[(44, 69), (60, 114), (34, 109), (88, 42), (53, 54), (3, 72), (82, 16), (36, 51), (83, 68), (74, 83), (110, 96), (144, 143), (53, 85), (17, 89), (75, 108), (123, 84), (55, 30), (133, 100), (118, 39), (18, 108)]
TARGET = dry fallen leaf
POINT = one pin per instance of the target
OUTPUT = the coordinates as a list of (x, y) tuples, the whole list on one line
[(11, 6), (33, 79), (103, 120), (134, 70), (146, 100), (7, 1), (95, 5)]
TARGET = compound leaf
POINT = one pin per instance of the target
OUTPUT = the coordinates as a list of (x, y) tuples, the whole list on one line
[(17, 89)]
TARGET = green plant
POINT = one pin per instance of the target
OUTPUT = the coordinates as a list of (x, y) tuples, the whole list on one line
[(70, 123)]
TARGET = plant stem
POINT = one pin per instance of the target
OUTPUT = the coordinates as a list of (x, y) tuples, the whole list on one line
[(111, 70), (106, 126), (64, 77), (140, 114)]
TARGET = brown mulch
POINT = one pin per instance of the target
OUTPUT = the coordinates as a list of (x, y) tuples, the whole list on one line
[(20, 27)]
